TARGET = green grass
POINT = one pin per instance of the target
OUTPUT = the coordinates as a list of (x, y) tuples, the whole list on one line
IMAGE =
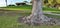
[(52, 16), (56, 12), (9, 21), (28, 7), (25, 7), (27, 26)]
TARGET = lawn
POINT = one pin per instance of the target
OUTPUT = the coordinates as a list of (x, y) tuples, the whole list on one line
[(10, 19), (28, 7), (24, 7)]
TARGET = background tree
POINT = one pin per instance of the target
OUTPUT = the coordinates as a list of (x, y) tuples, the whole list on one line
[(45, 1), (25, 1), (31, 1), (6, 2)]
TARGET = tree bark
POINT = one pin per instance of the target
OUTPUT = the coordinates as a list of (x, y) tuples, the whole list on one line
[(37, 14)]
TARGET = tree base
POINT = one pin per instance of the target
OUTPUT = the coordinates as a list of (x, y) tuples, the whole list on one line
[(46, 21)]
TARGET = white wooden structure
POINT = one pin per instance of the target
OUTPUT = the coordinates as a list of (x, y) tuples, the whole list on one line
[(2, 3)]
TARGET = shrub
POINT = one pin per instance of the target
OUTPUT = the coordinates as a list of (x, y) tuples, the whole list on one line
[(11, 5)]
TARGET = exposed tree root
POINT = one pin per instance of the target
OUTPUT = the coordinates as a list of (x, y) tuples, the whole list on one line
[(34, 21)]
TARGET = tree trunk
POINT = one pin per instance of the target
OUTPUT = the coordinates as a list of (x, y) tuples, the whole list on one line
[(37, 17), (37, 14), (6, 2)]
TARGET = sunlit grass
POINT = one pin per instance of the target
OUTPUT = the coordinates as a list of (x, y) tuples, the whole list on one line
[(28, 7)]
